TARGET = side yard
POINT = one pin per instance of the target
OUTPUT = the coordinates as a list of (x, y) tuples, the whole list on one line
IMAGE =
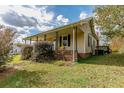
[(96, 71)]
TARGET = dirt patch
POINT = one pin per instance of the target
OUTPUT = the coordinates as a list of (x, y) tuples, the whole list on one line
[(4, 72)]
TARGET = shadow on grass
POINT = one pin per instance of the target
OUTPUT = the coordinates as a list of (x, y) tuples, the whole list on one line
[(24, 79), (110, 59)]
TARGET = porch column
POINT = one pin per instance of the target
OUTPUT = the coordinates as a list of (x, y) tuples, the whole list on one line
[(76, 39), (85, 42), (30, 41), (76, 48), (56, 41), (73, 45)]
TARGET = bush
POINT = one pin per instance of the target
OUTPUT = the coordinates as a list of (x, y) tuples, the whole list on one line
[(43, 51), (26, 52), (116, 44)]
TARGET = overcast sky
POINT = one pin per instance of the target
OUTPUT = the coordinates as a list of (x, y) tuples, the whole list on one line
[(30, 20)]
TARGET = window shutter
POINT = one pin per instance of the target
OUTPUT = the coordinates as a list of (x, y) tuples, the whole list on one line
[(60, 41), (88, 40), (69, 40)]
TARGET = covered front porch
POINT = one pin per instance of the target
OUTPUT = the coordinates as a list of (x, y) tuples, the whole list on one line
[(68, 42)]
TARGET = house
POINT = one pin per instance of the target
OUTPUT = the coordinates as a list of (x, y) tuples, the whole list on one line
[(15, 50), (77, 39)]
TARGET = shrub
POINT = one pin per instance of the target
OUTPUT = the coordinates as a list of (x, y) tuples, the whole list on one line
[(43, 51), (117, 44), (26, 52)]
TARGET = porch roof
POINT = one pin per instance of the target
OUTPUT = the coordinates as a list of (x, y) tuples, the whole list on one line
[(62, 28)]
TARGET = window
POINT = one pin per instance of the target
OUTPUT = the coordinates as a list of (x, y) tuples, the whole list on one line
[(94, 44), (65, 41), (89, 40)]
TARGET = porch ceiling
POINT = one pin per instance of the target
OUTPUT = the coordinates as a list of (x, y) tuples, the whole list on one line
[(51, 36)]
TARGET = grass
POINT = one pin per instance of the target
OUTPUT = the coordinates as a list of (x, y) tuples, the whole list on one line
[(16, 58), (96, 71)]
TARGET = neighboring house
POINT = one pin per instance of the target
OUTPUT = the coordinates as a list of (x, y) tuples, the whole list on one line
[(77, 39), (15, 50)]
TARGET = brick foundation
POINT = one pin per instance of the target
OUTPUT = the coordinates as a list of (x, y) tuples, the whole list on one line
[(84, 55), (68, 55)]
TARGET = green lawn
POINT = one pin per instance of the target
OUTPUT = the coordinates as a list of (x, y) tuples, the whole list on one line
[(97, 71), (16, 58)]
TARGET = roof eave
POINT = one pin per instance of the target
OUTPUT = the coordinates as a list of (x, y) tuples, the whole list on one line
[(60, 28)]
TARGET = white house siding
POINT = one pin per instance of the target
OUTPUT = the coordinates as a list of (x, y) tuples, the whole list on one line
[(80, 40), (88, 49)]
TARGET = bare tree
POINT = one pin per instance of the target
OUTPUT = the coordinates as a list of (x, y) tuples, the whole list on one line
[(7, 36)]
